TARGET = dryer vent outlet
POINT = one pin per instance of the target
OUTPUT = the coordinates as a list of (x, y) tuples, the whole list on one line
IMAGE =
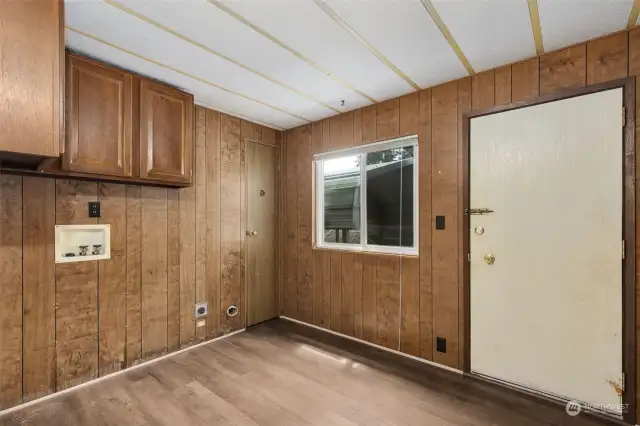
[(201, 310)]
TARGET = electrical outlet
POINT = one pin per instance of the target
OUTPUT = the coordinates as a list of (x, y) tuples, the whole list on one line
[(94, 209), (441, 345), (201, 310), (201, 323)]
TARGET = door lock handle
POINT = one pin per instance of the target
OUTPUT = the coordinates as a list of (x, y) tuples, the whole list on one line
[(489, 259), (251, 232), (477, 211)]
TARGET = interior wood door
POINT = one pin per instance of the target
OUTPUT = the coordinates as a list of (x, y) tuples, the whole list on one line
[(31, 71), (99, 119), (547, 314), (166, 133), (262, 232)]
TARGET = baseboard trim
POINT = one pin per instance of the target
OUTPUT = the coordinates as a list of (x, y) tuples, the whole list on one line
[(109, 376), (393, 351)]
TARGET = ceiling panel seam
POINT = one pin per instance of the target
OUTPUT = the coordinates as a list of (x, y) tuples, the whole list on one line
[(202, 80), (633, 15), (348, 28), (214, 52), (286, 47), (435, 16), (535, 26)]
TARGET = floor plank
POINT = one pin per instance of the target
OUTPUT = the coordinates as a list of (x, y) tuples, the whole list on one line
[(281, 373)]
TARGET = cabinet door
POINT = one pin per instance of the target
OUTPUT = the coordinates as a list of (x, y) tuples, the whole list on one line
[(31, 65), (166, 133), (99, 119)]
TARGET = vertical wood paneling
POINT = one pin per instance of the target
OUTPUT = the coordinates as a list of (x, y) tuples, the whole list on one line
[(525, 78), (231, 221), (187, 266), (357, 295), (39, 287), (326, 135), (347, 321), (464, 105), (76, 293), (112, 279), (425, 221), (357, 127), (302, 137), (134, 275), (173, 269), (445, 202), (200, 183), (317, 287), (326, 289), (290, 282), (369, 124), (154, 271), (212, 219), (11, 290), (316, 131), (369, 299), (607, 58), (388, 119), (388, 300), (409, 114), (250, 131), (346, 129), (503, 85), (482, 86), (268, 135), (564, 69), (336, 291), (410, 308)]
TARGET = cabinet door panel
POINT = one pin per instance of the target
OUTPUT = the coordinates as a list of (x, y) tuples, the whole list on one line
[(31, 60), (99, 134), (166, 133)]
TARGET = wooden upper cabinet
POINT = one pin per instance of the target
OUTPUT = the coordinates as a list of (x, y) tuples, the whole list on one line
[(99, 119), (31, 70), (166, 133)]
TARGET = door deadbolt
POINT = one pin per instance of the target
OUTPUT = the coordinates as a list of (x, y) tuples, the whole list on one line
[(479, 230), (251, 232), (489, 259)]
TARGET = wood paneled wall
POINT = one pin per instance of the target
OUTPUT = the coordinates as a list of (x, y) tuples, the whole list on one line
[(64, 324), (405, 302)]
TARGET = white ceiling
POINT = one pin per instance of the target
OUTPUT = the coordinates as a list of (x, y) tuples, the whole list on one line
[(284, 63)]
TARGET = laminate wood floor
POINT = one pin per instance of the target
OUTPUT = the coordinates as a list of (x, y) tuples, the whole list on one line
[(279, 373)]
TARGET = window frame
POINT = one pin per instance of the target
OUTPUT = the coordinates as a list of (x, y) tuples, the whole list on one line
[(362, 151)]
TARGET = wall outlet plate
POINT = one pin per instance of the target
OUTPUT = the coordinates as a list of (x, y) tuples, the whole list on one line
[(94, 209), (201, 310), (441, 344), (201, 323)]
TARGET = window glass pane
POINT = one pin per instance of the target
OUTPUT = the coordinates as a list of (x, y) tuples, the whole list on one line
[(342, 200), (390, 197)]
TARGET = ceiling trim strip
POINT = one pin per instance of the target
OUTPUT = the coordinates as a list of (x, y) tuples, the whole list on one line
[(535, 25), (214, 52), (447, 34), (235, 114), (202, 80), (633, 15), (348, 28), (219, 4)]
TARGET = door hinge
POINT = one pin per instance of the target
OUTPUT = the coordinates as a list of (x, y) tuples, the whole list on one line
[(624, 116), (468, 257), (623, 249), (624, 382)]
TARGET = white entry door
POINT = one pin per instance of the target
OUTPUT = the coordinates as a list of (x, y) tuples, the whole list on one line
[(547, 314)]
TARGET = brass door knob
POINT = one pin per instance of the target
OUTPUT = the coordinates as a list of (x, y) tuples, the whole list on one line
[(489, 259), (251, 232)]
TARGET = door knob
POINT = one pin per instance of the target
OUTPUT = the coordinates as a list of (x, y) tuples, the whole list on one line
[(489, 259), (251, 232)]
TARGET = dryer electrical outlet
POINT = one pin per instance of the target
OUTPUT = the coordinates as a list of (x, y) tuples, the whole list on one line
[(201, 310)]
